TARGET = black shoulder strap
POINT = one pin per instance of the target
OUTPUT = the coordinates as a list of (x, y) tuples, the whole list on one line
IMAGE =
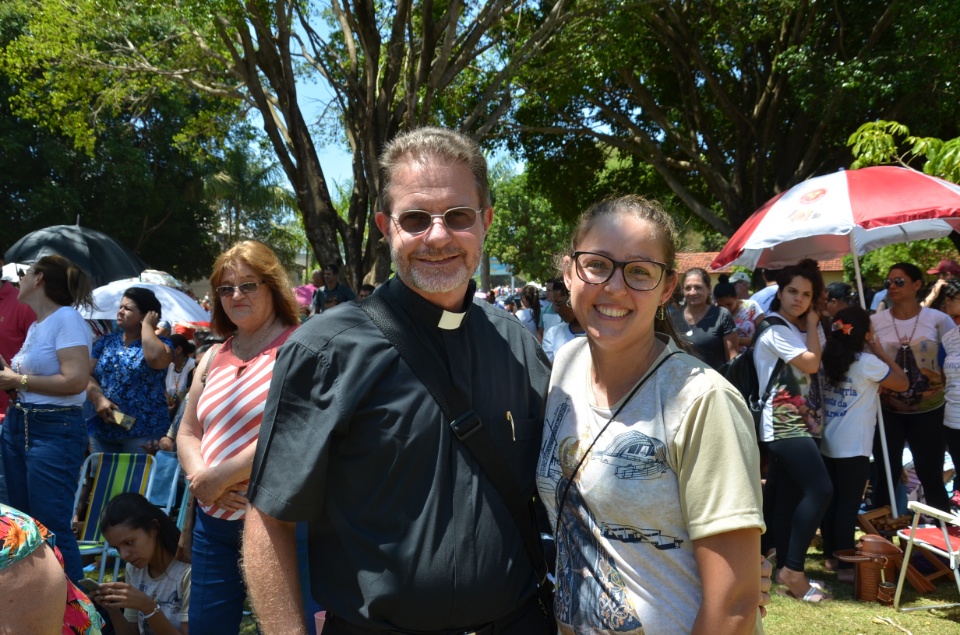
[(468, 428)]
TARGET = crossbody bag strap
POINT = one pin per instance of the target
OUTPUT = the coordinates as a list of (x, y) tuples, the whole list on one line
[(623, 404), (468, 428)]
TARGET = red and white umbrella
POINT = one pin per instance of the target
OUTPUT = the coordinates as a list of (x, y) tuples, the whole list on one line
[(848, 212), (853, 211)]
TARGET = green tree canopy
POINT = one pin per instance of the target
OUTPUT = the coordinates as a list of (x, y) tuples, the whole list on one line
[(732, 102), (525, 234), (390, 66)]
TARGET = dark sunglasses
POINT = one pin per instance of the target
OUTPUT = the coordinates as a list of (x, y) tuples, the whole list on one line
[(21, 273), (417, 221), (896, 281), (227, 291)]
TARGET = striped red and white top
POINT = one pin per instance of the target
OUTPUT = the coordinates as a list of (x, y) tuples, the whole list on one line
[(231, 406)]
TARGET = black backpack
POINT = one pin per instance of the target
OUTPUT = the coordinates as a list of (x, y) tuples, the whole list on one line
[(741, 371)]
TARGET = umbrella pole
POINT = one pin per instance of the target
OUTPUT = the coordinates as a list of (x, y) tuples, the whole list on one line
[(883, 436)]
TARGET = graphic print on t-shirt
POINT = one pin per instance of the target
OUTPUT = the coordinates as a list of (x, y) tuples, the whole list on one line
[(797, 404), (594, 596), (919, 384)]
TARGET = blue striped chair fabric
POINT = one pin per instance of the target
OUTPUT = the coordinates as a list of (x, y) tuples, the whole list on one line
[(110, 474)]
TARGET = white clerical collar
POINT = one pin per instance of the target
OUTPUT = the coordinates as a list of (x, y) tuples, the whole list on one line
[(451, 321)]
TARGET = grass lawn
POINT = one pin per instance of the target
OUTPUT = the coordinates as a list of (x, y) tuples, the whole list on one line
[(843, 615)]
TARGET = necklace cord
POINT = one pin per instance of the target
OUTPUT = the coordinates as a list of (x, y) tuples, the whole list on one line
[(566, 490), (256, 347), (916, 320)]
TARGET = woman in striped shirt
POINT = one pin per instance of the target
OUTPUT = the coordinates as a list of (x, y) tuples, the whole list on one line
[(254, 306)]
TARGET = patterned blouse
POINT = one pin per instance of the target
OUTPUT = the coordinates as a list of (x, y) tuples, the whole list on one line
[(137, 389), (21, 535)]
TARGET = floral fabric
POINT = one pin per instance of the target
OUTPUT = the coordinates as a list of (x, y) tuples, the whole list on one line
[(745, 319), (137, 389), (21, 535)]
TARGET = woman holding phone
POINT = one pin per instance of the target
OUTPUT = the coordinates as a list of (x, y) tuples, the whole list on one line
[(128, 368), (44, 437)]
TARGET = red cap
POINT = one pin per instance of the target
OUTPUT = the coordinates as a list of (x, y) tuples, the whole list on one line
[(946, 266)]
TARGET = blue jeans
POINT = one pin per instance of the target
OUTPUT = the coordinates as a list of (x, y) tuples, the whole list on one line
[(42, 478), (217, 591)]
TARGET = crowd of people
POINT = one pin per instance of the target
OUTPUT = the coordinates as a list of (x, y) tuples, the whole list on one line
[(346, 475)]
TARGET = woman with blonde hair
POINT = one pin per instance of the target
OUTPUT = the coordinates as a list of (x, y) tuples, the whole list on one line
[(254, 307)]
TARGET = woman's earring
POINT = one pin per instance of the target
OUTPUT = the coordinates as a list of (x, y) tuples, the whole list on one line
[(660, 313), (568, 303)]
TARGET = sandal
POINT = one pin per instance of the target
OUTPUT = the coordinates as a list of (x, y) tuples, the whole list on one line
[(814, 595)]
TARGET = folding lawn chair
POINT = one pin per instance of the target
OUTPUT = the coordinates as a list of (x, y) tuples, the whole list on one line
[(942, 539), (102, 477)]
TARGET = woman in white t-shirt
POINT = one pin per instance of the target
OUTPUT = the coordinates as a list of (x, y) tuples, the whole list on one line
[(911, 334), (649, 468), (852, 380), (798, 488), (155, 595), (44, 435)]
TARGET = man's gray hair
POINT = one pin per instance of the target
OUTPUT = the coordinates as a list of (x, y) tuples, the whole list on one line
[(435, 143)]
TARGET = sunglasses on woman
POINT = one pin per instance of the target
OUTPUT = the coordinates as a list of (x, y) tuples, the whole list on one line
[(896, 281), (227, 291)]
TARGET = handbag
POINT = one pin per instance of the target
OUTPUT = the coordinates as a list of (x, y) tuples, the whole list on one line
[(185, 544), (876, 560), (468, 429)]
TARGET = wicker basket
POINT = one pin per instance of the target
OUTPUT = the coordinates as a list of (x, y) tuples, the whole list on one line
[(876, 560)]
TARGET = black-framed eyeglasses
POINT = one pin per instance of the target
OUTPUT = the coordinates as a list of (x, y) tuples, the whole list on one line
[(640, 275), (227, 291), (896, 281), (417, 221)]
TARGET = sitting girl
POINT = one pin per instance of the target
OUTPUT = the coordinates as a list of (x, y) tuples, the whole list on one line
[(156, 595)]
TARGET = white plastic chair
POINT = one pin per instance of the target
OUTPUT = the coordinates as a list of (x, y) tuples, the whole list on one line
[(943, 539)]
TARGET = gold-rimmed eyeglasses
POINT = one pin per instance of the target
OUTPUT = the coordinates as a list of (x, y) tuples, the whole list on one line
[(417, 221)]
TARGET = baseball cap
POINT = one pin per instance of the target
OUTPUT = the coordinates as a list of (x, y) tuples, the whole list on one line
[(739, 277), (946, 266)]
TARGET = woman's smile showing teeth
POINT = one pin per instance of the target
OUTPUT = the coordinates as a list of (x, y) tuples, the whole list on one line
[(612, 311)]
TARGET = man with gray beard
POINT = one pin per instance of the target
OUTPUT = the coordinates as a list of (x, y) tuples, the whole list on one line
[(407, 532)]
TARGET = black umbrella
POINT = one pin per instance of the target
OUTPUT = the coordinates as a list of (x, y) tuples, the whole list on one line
[(102, 257)]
